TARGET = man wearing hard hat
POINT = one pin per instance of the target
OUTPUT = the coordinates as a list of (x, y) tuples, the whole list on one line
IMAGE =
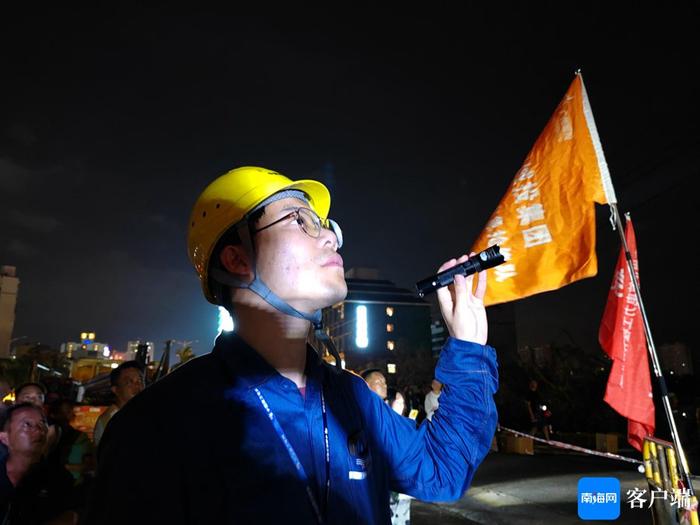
[(262, 430)]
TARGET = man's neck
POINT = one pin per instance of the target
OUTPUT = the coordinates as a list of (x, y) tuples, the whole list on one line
[(19, 464), (280, 339)]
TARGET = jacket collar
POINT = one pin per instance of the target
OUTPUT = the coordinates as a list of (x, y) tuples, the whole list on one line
[(248, 368)]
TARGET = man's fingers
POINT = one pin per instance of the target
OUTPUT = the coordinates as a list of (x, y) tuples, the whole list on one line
[(444, 299), (460, 284), (444, 296), (481, 285), (447, 265)]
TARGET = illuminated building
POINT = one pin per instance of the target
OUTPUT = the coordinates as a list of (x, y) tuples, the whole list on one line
[(88, 357), (132, 348), (377, 322), (9, 284), (87, 347)]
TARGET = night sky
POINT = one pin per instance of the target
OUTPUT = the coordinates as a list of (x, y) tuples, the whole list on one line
[(112, 123)]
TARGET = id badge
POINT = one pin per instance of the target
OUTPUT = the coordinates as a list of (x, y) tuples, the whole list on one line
[(360, 459)]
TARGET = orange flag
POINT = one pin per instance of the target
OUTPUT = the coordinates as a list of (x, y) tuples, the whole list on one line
[(622, 337), (545, 224)]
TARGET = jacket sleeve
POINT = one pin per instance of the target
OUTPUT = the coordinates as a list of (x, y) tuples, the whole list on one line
[(437, 460)]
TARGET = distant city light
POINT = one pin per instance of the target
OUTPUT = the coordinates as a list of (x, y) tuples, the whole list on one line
[(391, 368), (114, 365), (389, 311), (361, 335), (225, 320), (390, 345), (105, 351)]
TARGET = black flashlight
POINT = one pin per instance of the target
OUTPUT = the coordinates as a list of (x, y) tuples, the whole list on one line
[(489, 258)]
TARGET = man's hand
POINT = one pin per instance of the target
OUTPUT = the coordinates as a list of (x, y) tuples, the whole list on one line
[(463, 311)]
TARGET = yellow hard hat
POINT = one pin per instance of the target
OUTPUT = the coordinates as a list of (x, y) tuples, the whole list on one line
[(228, 199)]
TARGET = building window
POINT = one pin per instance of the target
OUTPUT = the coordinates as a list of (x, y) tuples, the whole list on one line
[(390, 345), (391, 368), (389, 311), (390, 327), (361, 332)]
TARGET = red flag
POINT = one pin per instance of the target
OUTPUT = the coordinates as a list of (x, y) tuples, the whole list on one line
[(622, 337)]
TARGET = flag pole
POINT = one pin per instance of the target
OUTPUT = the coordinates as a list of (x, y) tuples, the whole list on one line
[(652, 350), (616, 222)]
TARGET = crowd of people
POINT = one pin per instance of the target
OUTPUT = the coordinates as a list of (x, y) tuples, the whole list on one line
[(47, 466), (400, 504)]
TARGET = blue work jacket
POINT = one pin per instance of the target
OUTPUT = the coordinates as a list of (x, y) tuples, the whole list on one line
[(199, 447)]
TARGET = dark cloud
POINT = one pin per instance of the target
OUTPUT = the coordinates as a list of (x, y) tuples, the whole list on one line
[(33, 221), (113, 122), (12, 176), (20, 249)]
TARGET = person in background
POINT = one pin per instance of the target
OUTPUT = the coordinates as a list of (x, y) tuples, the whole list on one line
[(396, 401), (126, 381), (400, 504), (536, 410), (376, 381), (35, 394), (431, 399), (33, 490)]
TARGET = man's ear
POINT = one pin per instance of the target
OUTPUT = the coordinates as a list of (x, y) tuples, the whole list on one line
[(236, 261), (113, 389), (4, 439)]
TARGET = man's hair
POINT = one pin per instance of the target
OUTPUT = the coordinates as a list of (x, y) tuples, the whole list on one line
[(366, 373), (27, 385), (7, 417), (229, 238), (115, 374)]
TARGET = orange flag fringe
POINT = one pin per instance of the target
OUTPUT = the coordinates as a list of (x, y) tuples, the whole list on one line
[(545, 224)]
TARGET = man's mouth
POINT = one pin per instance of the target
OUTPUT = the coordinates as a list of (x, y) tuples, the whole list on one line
[(334, 260)]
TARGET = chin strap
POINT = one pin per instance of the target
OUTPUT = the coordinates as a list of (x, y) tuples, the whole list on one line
[(326, 340), (258, 287)]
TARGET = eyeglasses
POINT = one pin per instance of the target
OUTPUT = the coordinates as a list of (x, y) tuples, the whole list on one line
[(310, 223)]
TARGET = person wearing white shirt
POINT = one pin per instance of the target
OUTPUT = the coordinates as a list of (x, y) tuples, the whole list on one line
[(431, 399)]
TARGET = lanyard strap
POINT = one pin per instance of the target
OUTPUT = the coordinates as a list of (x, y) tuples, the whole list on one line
[(295, 459)]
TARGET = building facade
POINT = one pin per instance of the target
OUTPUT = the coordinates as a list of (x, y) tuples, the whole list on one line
[(377, 324), (9, 284)]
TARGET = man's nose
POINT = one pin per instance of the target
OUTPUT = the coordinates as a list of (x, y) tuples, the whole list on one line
[(38, 428), (328, 237)]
